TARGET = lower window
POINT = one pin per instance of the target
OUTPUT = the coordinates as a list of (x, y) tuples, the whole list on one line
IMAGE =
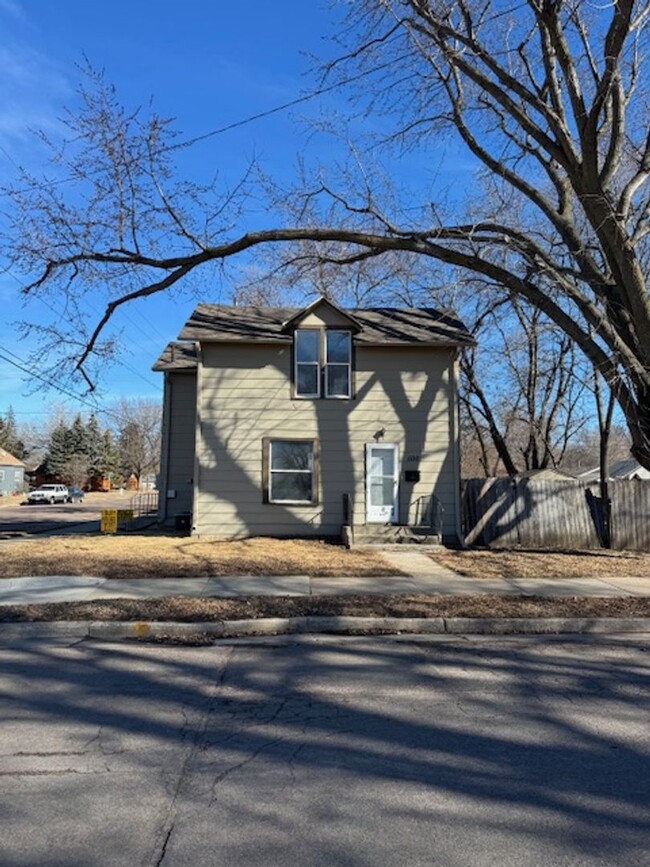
[(290, 469)]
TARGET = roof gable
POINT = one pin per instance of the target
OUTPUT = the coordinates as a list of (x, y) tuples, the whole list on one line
[(320, 312)]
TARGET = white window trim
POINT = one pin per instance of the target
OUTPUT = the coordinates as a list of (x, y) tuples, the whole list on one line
[(322, 366), (298, 364), (348, 364)]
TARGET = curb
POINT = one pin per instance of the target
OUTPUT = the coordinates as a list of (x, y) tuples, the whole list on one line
[(118, 630)]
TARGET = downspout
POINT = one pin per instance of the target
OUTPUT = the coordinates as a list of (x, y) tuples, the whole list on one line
[(167, 423), (454, 429), (198, 442)]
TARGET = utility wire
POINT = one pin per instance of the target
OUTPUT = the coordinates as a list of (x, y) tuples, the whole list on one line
[(20, 365), (119, 361), (320, 91), (278, 108)]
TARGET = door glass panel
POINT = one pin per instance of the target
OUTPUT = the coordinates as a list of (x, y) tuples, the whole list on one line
[(382, 462), (381, 492)]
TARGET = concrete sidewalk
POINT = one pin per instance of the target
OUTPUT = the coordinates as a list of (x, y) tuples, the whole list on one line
[(422, 576)]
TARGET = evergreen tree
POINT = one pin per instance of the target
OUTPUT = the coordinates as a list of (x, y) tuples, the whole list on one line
[(9, 439), (59, 450), (109, 464), (94, 447), (78, 437)]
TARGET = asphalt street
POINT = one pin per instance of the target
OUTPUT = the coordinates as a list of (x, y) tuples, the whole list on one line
[(320, 751), (18, 521)]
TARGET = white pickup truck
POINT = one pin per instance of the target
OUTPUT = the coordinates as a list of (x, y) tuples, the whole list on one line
[(49, 494)]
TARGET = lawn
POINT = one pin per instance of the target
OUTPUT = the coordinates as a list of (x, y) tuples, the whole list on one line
[(185, 610), (11, 500), (160, 556), (508, 563)]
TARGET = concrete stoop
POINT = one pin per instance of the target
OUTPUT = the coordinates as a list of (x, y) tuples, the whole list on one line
[(391, 534)]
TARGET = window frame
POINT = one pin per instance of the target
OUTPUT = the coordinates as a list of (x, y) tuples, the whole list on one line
[(327, 364), (323, 365), (267, 443), (317, 364)]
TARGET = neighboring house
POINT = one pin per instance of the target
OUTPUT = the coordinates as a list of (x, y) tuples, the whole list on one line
[(12, 474), (40, 475), (548, 474), (276, 420), (628, 468)]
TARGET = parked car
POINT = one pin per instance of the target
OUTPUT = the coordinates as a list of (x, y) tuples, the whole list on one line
[(75, 495), (49, 494)]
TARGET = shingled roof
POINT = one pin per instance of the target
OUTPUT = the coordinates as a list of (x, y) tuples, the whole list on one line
[(177, 357), (379, 325), (8, 460)]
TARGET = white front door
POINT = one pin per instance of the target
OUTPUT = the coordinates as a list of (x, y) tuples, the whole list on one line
[(382, 476)]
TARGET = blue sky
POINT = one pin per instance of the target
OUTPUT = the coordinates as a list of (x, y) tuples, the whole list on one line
[(204, 64)]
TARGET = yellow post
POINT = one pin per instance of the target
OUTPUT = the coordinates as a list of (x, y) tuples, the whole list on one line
[(109, 521)]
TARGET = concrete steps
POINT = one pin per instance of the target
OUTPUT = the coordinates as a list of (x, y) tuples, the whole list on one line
[(390, 534)]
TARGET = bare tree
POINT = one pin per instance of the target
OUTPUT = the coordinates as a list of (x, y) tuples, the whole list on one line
[(548, 99), (137, 432), (530, 406)]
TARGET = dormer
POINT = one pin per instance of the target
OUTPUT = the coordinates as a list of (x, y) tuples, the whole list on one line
[(322, 351)]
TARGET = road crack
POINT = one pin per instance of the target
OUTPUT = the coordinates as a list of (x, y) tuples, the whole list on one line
[(166, 828)]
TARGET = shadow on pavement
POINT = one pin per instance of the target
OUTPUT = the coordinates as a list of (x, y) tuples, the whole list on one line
[(432, 748)]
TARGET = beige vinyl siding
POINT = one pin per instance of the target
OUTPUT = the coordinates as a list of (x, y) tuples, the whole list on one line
[(178, 443), (246, 396), (323, 317)]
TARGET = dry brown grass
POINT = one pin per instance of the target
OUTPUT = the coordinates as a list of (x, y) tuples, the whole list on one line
[(545, 564), (187, 610), (160, 556), (11, 500)]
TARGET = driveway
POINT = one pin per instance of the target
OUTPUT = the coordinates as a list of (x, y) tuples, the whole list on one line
[(449, 752), (27, 520)]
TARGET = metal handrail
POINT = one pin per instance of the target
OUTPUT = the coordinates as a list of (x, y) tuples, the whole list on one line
[(347, 528), (144, 503), (348, 510), (428, 512)]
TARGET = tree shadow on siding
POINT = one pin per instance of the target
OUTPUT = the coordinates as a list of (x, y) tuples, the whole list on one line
[(332, 427)]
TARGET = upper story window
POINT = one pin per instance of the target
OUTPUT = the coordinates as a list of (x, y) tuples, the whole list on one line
[(323, 360), (307, 352)]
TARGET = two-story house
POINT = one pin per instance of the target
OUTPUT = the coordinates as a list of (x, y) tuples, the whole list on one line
[(298, 422)]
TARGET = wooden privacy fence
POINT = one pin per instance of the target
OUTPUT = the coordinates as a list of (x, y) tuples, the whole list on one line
[(502, 512)]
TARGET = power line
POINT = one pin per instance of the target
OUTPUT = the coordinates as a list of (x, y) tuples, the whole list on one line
[(228, 127), (279, 108), (120, 361), (21, 365)]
